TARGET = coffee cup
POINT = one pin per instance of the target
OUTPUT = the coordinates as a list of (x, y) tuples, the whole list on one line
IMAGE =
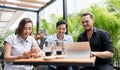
[(47, 53), (59, 52)]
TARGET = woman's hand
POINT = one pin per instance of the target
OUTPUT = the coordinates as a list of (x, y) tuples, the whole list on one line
[(27, 55), (33, 53), (36, 52)]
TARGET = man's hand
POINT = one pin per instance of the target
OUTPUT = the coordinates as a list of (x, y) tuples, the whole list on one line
[(53, 47)]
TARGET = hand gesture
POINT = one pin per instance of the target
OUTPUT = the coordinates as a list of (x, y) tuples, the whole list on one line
[(35, 52), (27, 54)]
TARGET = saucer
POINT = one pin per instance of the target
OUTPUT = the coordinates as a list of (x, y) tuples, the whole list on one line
[(49, 57), (60, 56)]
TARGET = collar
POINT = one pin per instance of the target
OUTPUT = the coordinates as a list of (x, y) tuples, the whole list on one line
[(94, 31), (56, 38), (20, 39)]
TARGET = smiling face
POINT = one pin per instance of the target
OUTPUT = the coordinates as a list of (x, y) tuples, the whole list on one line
[(61, 29), (27, 30), (87, 22)]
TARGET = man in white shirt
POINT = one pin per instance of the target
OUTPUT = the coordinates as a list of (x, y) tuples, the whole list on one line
[(59, 36)]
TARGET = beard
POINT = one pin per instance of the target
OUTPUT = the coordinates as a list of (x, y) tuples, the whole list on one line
[(88, 29)]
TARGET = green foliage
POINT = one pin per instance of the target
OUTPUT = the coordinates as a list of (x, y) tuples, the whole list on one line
[(108, 21), (74, 26), (34, 30), (50, 26), (114, 5), (2, 38)]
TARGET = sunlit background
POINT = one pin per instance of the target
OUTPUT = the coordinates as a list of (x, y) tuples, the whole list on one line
[(73, 6)]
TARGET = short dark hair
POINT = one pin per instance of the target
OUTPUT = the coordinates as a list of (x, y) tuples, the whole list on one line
[(85, 14), (60, 22), (22, 24)]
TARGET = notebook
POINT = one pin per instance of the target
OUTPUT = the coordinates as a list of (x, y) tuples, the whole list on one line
[(77, 50)]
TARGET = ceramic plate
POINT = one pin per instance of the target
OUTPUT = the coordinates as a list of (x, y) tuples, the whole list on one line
[(49, 57), (60, 56)]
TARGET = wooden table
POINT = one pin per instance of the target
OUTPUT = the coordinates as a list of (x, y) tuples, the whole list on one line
[(60, 61)]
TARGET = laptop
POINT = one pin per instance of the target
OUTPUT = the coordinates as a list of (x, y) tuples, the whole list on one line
[(77, 50)]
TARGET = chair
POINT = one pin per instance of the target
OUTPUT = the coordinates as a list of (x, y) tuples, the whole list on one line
[(1, 58)]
